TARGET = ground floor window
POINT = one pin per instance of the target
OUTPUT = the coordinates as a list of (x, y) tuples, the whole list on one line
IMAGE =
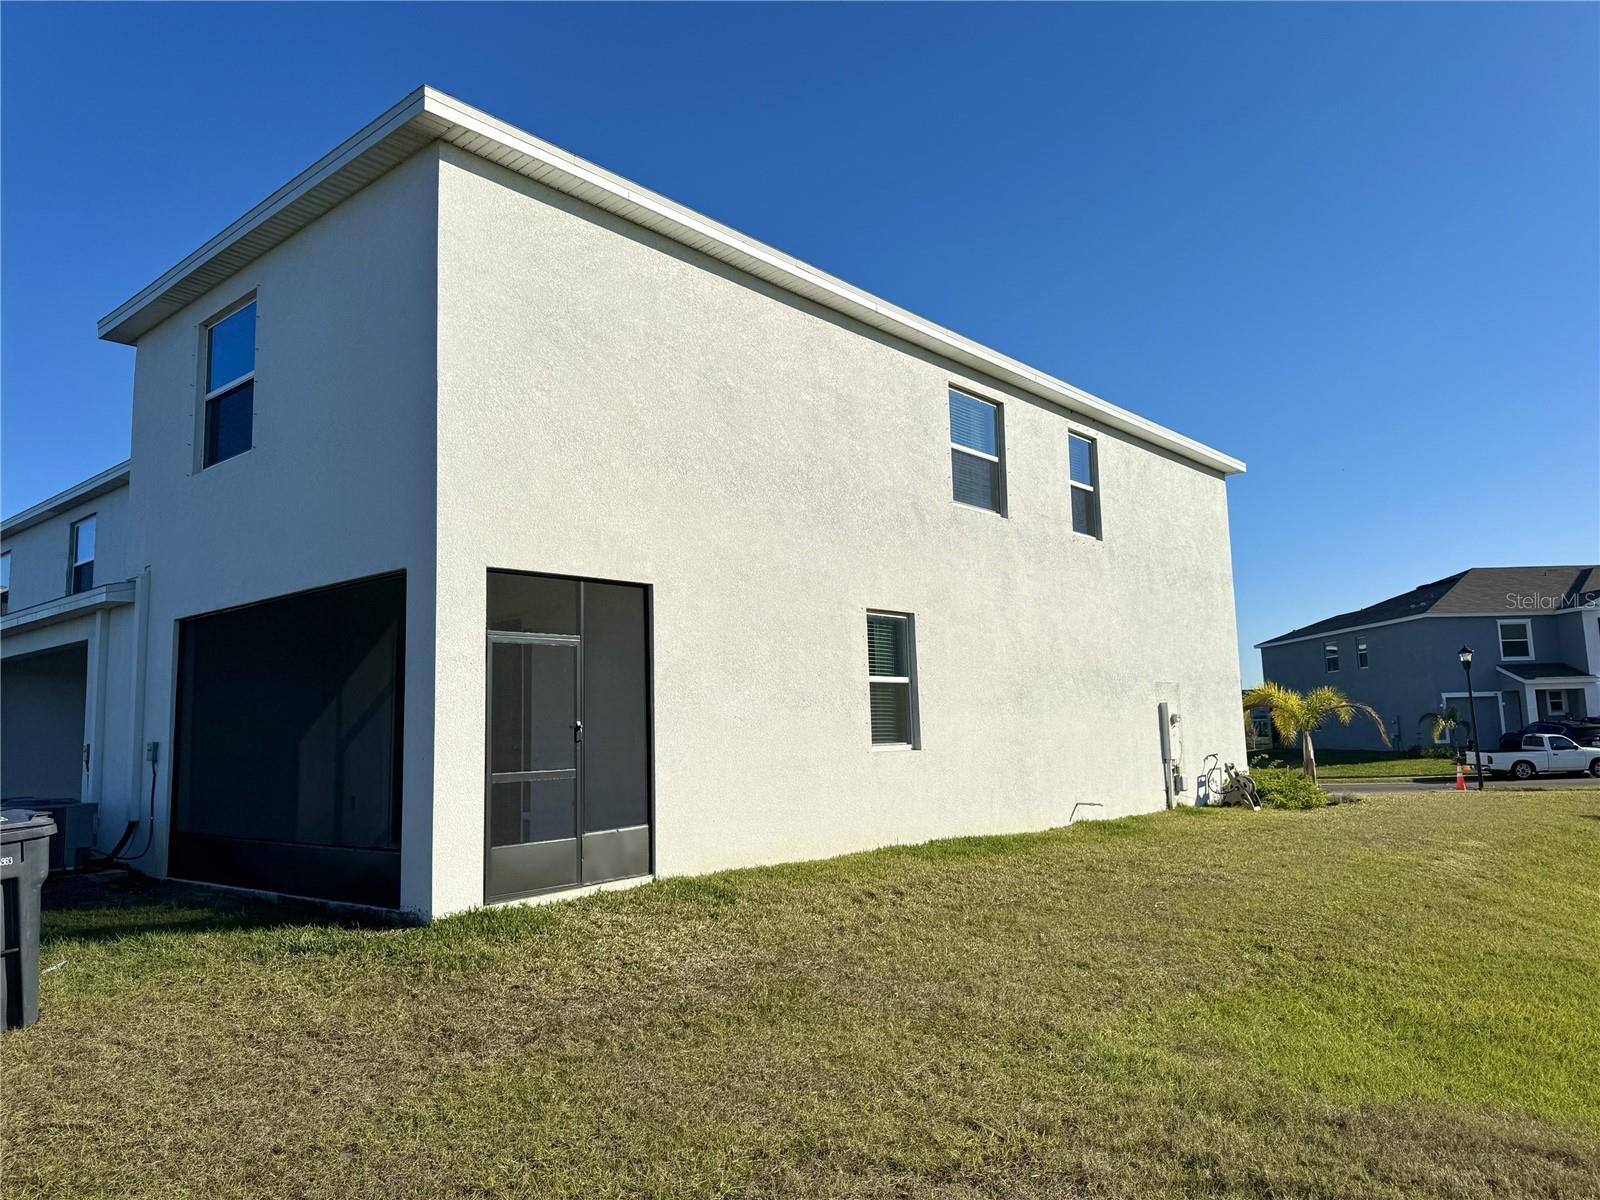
[(891, 679)]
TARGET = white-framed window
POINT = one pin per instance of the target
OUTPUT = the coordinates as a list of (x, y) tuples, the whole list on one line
[(1516, 640), (230, 384), (1556, 702), (977, 453), (1083, 470), (891, 679), (5, 582), (1330, 657), (1361, 654), (80, 577)]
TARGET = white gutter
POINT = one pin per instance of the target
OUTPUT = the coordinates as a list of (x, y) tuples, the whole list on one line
[(428, 115), (108, 480)]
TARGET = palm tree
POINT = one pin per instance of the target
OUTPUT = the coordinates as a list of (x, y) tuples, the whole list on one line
[(1446, 721), (1298, 716)]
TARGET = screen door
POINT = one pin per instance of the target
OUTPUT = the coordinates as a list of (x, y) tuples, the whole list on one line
[(535, 761)]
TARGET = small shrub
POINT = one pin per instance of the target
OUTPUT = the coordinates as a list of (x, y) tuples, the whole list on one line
[(1282, 787)]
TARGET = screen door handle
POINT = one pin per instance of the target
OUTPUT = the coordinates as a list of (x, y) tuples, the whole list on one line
[(577, 731)]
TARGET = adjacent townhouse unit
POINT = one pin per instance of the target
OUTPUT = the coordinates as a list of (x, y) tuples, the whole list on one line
[(1534, 633), (498, 528)]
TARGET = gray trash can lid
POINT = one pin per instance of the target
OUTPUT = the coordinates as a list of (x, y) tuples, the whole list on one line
[(25, 825)]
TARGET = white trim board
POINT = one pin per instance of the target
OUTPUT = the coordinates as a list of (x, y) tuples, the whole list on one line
[(1344, 629), (91, 488), (427, 115)]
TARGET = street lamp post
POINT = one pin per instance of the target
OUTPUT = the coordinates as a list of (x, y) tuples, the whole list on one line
[(1465, 655)]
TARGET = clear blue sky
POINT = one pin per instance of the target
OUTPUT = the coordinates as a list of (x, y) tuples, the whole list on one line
[(1355, 245)]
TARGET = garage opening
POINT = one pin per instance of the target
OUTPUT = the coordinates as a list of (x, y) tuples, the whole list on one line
[(287, 752), (42, 715), (567, 794)]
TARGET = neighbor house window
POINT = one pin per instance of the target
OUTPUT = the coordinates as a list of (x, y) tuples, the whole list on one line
[(82, 577), (1516, 639), (890, 679), (1557, 702), (1361, 655), (5, 582), (1330, 657), (976, 470), (230, 385), (1084, 468)]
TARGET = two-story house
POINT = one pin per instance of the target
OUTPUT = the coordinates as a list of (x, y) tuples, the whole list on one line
[(500, 528), (68, 632), (1534, 633)]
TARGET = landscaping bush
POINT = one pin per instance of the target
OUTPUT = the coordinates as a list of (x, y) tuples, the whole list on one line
[(1282, 787)]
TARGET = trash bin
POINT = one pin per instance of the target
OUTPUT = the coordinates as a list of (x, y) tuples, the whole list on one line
[(24, 862)]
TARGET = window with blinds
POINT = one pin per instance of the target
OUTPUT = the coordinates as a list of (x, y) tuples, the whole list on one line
[(977, 472), (891, 674)]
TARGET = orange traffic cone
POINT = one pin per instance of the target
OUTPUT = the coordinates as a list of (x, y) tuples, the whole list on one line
[(1461, 780)]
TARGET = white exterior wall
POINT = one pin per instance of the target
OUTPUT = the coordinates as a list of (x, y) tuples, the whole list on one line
[(40, 553), (613, 405), (340, 483)]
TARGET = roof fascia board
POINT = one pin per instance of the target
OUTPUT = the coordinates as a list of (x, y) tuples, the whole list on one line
[(108, 480), (111, 326), (693, 229), (450, 119), (1505, 614)]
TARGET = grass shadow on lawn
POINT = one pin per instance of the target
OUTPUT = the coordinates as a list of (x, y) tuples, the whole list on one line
[(113, 905)]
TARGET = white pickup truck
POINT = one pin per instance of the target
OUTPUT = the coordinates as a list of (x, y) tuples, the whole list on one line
[(1540, 754)]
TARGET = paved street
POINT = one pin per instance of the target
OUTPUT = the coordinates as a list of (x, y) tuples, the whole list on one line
[(1491, 784)]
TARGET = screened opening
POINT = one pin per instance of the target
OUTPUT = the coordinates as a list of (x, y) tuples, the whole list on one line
[(1083, 470), (568, 745), (287, 754), (977, 477), (890, 675)]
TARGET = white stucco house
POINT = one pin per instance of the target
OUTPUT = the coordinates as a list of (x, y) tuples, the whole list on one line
[(496, 528)]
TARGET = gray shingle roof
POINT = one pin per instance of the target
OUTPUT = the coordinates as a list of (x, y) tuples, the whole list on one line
[(1545, 670), (1527, 590)]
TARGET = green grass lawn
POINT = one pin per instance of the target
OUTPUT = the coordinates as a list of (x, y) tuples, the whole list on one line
[(1366, 764), (1393, 998)]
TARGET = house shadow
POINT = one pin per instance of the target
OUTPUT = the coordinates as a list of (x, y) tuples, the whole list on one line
[(109, 905)]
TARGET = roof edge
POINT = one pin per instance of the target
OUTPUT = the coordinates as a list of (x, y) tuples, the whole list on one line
[(435, 115), (108, 480)]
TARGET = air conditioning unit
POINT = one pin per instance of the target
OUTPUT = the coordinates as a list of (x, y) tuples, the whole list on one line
[(73, 842)]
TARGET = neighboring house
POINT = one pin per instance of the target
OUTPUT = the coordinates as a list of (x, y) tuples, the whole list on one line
[(67, 631), (499, 528), (1534, 633)]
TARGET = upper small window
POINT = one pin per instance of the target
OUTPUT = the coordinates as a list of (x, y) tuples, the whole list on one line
[(977, 473), (890, 675), (1361, 655), (230, 385), (5, 581), (82, 577), (1330, 657), (1516, 641), (1084, 468)]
